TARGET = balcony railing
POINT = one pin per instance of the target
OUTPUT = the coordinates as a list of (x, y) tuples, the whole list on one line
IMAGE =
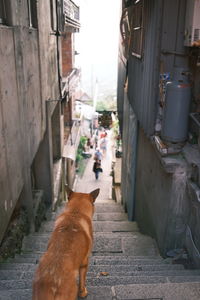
[(71, 81), (71, 12)]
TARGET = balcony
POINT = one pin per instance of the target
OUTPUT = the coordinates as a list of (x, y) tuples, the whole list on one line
[(71, 82), (72, 140), (71, 15)]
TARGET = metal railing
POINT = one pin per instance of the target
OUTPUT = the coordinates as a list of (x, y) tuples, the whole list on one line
[(71, 12), (71, 81), (75, 133)]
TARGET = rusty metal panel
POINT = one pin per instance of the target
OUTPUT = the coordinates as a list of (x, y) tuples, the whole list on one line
[(129, 141), (172, 36), (120, 88), (144, 72), (162, 37)]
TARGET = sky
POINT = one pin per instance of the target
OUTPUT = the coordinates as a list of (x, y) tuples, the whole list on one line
[(98, 46)]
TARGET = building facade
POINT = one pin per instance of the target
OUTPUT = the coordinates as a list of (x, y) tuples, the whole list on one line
[(160, 172), (71, 75), (32, 101)]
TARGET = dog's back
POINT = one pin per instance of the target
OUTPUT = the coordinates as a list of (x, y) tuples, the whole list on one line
[(68, 251)]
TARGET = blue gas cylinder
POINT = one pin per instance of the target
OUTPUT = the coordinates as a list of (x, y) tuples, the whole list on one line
[(176, 107)]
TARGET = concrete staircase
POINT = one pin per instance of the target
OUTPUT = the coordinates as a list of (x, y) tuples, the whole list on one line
[(125, 265)]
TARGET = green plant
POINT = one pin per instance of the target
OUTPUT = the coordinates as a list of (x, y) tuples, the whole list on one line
[(79, 156), (82, 143)]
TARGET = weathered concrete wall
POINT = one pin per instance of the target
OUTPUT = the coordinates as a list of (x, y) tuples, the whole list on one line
[(11, 179), (28, 75), (28, 78), (161, 203), (48, 58)]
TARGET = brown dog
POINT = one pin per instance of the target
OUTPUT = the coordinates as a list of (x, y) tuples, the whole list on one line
[(68, 251)]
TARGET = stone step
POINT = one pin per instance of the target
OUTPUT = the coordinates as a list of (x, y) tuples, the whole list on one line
[(135, 237), (167, 291), (130, 259), (118, 234), (16, 266), (116, 280), (34, 258), (106, 281), (118, 216), (46, 235), (164, 273), (25, 260), (102, 254), (99, 226), (115, 216), (94, 294), (125, 261), (127, 246), (15, 274), (102, 244), (13, 294), (105, 201), (114, 226), (137, 251), (106, 207), (132, 266)]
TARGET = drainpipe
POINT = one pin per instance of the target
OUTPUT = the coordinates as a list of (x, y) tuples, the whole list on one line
[(58, 34)]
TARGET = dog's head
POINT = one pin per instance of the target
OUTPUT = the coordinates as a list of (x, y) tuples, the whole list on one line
[(84, 202)]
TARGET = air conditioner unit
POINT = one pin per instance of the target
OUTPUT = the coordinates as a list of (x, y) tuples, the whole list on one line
[(192, 22)]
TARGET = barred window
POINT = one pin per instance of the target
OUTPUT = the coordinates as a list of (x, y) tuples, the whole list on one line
[(32, 13), (137, 28), (2, 11), (53, 14)]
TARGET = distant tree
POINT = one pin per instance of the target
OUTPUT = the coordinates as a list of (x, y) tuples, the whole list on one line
[(101, 105), (107, 104)]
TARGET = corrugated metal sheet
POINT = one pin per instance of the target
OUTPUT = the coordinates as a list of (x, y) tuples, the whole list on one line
[(120, 86), (173, 30), (161, 33), (129, 143), (144, 73)]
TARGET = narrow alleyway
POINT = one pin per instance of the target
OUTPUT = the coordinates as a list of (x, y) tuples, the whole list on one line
[(88, 182), (125, 264)]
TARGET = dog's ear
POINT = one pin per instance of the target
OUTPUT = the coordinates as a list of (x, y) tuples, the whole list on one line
[(68, 191), (94, 194)]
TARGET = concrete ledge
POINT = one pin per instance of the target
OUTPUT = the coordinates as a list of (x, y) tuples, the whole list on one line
[(166, 291), (117, 171)]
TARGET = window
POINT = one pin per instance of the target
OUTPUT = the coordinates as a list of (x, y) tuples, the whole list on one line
[(137, 28), (32, 13), (125, 30), (2, 11), (53, 14)]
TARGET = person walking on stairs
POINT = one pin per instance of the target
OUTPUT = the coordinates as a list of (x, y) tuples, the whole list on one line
[(97, 168)]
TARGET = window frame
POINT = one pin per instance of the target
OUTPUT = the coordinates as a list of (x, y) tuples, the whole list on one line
[(3, 14), (53, 15), (137, 29), (32, 13)]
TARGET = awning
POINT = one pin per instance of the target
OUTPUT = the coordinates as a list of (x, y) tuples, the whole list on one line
[(69, 151)]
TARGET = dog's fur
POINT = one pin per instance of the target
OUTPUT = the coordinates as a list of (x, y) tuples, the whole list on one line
[(68, 250)]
